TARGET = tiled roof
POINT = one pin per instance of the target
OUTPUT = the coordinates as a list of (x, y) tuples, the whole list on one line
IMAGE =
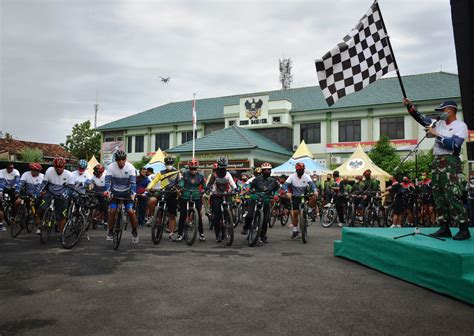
[(231, 138), (13, 146), (437, 85)]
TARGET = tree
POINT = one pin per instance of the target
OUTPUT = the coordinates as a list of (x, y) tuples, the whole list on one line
[(424, 165), (31, 154), (142, 162), (83, 141), (384, 155)]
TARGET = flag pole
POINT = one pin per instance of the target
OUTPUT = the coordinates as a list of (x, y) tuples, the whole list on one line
[(391, 51), (194, 124)]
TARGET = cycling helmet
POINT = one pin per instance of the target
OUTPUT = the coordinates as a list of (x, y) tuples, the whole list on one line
[(300, 166), (258, 170), (35, 166), (169, 160), (266, 165), (222, 162), (120, 155), (98, 169), (59, 162), (82, 164), (193, 163)]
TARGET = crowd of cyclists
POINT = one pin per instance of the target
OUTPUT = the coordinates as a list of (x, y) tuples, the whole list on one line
[(140, 193)]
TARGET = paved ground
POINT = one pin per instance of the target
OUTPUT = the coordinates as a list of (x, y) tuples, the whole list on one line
[(281, 288)]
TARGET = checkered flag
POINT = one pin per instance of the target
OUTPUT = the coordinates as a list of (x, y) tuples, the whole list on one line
[(363, 57)]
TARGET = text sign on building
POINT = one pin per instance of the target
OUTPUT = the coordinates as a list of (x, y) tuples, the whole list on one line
[(349, 147), (253, 111)]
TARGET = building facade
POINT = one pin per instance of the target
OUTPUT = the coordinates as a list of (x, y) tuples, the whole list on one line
[(286, 117)]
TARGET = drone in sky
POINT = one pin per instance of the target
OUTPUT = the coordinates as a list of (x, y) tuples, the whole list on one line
[(165, 80)]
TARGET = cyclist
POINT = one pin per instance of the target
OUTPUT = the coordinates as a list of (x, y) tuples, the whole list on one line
[(98, 185), (427, 200), (220, 182), (169, 179), (121, 181), (54, 186), (268, 185), (80, 177), (337, 191), (257, 172), (194, 183), (296, 185), (357, 191), (9, 178), (30, 183), (408, 201), (370, 187), (328, 185), (395, 191)]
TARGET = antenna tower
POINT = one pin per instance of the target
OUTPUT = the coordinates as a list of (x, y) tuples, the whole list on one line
[(286, 77)]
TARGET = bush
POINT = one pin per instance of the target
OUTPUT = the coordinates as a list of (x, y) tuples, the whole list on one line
[(31, 155)]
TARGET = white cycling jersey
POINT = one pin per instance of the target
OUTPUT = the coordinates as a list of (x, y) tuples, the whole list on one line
[(56, 182)]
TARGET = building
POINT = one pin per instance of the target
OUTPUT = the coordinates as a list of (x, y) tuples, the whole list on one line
[(10, 150), (285, 117)]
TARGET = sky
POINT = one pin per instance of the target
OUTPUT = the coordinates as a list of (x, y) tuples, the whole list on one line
[(56, 55)]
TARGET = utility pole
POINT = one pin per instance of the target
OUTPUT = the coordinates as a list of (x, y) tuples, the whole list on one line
[(96, 107)]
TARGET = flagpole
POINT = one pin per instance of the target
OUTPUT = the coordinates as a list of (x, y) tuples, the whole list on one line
[(391, 51), (194, 124)]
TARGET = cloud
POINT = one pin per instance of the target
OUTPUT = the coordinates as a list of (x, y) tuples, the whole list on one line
[(56, 54)]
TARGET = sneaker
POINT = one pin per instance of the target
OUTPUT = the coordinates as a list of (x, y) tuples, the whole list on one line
[(110, 237), (245, 214), (201, 237), (148, 221), (294, 235), (290, 226), (340, 224), (218, 240), (263, 240), (135, 239), (178, 238), (38, 231), (171, 236), (3, 228), (393, 226), (398, 226)]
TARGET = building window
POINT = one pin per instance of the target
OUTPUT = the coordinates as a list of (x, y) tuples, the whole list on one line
[(187, 136), (139, 143), (311, 133), (109, 139), (231, 123), (349, 130), (276, 120), (119, 138), (129, 144), (393, 127), (162, 141)]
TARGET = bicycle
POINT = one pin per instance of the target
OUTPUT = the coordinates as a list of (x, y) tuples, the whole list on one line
[(373, 211), (253, 232), (278, 212), (192, 220), (329, 214), (119, 221), (226, 224), (160, 217), (75, 225), (25, 216), (7, 209), (303, 217), (48, 222)]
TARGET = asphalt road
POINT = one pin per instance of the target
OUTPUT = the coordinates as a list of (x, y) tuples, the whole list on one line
[(283, 288)]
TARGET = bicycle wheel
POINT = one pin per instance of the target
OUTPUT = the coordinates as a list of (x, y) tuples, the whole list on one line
[(73, 229), (30, 220), (389, 216), (348, 216), (380, 217), (157, 226), (284, 216), (20, 221), (255, 228), (303, 221), (46, 226), (329, 215), (118, 230), (368, 217), (238, 215), (228, 228), (191, 227)]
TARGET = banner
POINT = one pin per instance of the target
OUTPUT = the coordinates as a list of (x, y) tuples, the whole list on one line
[(108, 149), (349, 147)]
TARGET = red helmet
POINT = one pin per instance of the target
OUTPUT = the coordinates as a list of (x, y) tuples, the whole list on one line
[(99, 169), (266, 165), (35, 166), (300, 166), (59, 162), (193, 163)]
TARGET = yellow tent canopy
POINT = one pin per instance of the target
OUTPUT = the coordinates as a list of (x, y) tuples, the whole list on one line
[(91, 164), (302, 151), (158, 157), (358, 163)]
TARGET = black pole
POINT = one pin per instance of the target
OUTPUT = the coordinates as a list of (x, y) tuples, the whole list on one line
[(391, 51)]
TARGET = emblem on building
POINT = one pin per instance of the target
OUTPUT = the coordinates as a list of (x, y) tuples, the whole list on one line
[(253, 109)]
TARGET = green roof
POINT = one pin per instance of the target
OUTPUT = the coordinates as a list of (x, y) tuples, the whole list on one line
[(430, 86), (231, 138)]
